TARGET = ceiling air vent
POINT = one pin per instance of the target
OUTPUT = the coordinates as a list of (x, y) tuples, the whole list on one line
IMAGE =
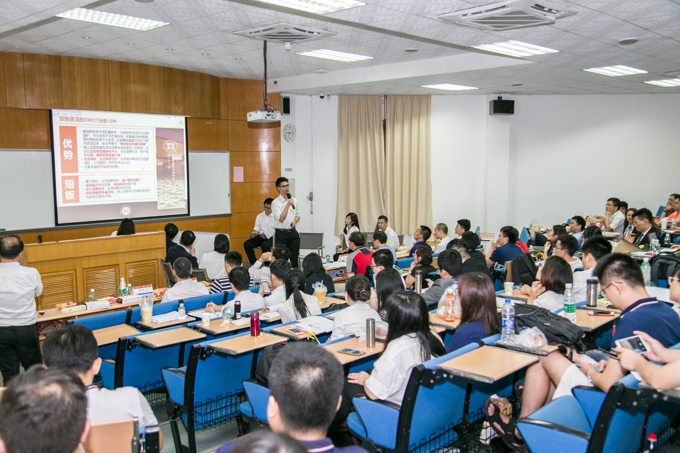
[(508, 15), (285, 33)]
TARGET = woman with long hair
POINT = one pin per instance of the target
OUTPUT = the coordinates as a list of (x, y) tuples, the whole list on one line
[(352, 320), (315, 272), (422, 260), (387, 282), (127, 226), (548, 291), (479, 318), (351, 225), (628, 227), (557, 231), (298, 304)]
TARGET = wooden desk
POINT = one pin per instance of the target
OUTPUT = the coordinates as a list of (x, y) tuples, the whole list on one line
[(110, 335), (487, 364), (327, 301), (281, 331), (437, 320), (519, 348), (269, 320), (154, 326), (589, 323), (246, 343), (353, 343), (216, 329), (516, 295), (169, 338), (402, 254), (54, 314)]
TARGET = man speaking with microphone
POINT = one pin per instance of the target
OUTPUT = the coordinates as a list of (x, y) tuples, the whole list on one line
[(285, 210)]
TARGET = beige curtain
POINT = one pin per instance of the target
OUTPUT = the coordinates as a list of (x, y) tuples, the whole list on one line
[(361, 161), (408, 185)]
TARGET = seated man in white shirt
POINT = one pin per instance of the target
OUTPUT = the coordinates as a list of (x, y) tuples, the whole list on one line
[(262, 234), (279, 270), (259, 272), (222, 285), (185, 286), (565, 247), (576, 227), (392, 236), (74, 347), (240, 281), (441, 236), (614, 219), (591, 250), (380, 242)]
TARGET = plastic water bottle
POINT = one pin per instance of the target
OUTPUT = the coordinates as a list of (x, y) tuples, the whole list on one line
[(457, 309), (569, 303), (182, 311), (450, 302), (508, 321), (122, 287), (646, 271), (328, 258)]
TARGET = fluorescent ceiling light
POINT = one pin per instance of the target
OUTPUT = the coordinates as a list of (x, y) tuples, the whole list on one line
[(316, 6), (615, 71), (449, 87), (334, 55), (115, 20), (666, 83), (516, 49)]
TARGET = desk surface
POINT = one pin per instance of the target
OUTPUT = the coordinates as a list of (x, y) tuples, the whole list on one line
[(487, 364), (589, 323), (214, 328), (170, 337), (109, 335), (437, 320), (516, 295), (246, 343), (353, 343), (54, 314), (283, 331), (153, 326), (515, 347), (402, 254)]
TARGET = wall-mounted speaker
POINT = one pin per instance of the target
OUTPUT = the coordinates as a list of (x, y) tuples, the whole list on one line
[(285, 107), (501, 107)]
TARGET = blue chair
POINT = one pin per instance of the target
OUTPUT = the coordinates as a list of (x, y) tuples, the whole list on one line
[(102, 321), (569, 423), (477, 230), (431, 408), (199, 302), (404, 263), (258, 398), (660, 211), (524, 235), (207, 391)]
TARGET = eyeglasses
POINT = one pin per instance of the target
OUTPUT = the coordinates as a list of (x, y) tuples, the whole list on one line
[(268, 208), (602, 291), (283, 186), (672, 279)]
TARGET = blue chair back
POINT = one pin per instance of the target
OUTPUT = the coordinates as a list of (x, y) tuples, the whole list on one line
[(102, 321), (660, 211), (477, 230), (524, 235), (199, 302), (254, 289), (258, 396), (404, 263)]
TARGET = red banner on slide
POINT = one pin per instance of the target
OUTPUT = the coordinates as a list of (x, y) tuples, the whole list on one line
[(68, 149), (70, 192)]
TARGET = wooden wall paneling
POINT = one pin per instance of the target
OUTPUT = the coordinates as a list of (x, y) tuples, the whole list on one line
[(244, 136), (42, 78), (244, 96), (14, 79), (85, 83), (130, 87), (24, 129), (206, 134), (236, 244), (224, 111), (242, 223), (178, 91), (3, 88), (257, 166), (143, 273), (248, 196), (61, 288), (104, 279), (204, 95)]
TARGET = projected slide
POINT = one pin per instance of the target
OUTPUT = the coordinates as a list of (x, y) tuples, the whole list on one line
[(110, 165)]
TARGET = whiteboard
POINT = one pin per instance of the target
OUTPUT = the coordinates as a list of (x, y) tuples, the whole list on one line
[(27, 187)]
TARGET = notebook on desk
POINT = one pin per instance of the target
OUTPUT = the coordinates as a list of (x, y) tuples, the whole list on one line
[(626, 248)]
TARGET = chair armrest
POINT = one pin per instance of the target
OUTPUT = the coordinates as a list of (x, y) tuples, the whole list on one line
[(591, 400), (380, 419), (174, 379), (152, 439)]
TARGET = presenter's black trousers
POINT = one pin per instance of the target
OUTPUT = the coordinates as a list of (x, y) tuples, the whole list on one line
[(291, 239), (18, 344), (253, 243)]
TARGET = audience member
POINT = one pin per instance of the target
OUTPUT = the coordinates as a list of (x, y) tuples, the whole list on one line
[(576, 227), (674, 202), (441, 235), (43, 410), (548, 291), (410, 342), (19, 286), (381, 260), (565, 248), (126, 227), (74, 347), (629, 227), (624, 207), (298, 304), (462, 226), (359, 261), (171, 231), (286, 213), (185, 249), (240, 280), (623, 284), (421, 235), (613, 217), (591, 232), (387, 282), (259, 272), (351, 225), (277, 298), (392, 237), (265, 441), (263, 233), (380, 242), (352, 320), (592, 251), (479, 315), (450, 267), (552, 235), (469, 264), (645, 228), (670, 206), (422, 262), (473, 243), (304, 397), (232, 260), (185, 286), (213, 262), (504, 249), (314, 273)]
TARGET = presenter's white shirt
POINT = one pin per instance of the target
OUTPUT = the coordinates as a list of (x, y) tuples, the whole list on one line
[(616, 222), (19, 286), (392, 237), (442, 244), (184, 289), (104, 405), (579, 290), (278, 205), (264, 224), (352, 320), (249, 301), (289, 313), (213, 263)]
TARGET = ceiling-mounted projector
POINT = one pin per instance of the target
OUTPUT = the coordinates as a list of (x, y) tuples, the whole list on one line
[(266, 114)]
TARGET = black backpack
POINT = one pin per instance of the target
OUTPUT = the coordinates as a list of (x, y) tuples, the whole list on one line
[(523, 270), (663, 266), (555, 328)]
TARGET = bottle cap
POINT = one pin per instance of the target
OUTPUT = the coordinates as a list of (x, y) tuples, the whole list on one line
[(568, 285), (651, 436), (508, 301)]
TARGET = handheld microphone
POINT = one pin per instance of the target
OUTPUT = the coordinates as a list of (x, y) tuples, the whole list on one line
[(289, 197)]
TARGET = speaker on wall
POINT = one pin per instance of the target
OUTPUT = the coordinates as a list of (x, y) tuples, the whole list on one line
[(285, 108), (501, 107)]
